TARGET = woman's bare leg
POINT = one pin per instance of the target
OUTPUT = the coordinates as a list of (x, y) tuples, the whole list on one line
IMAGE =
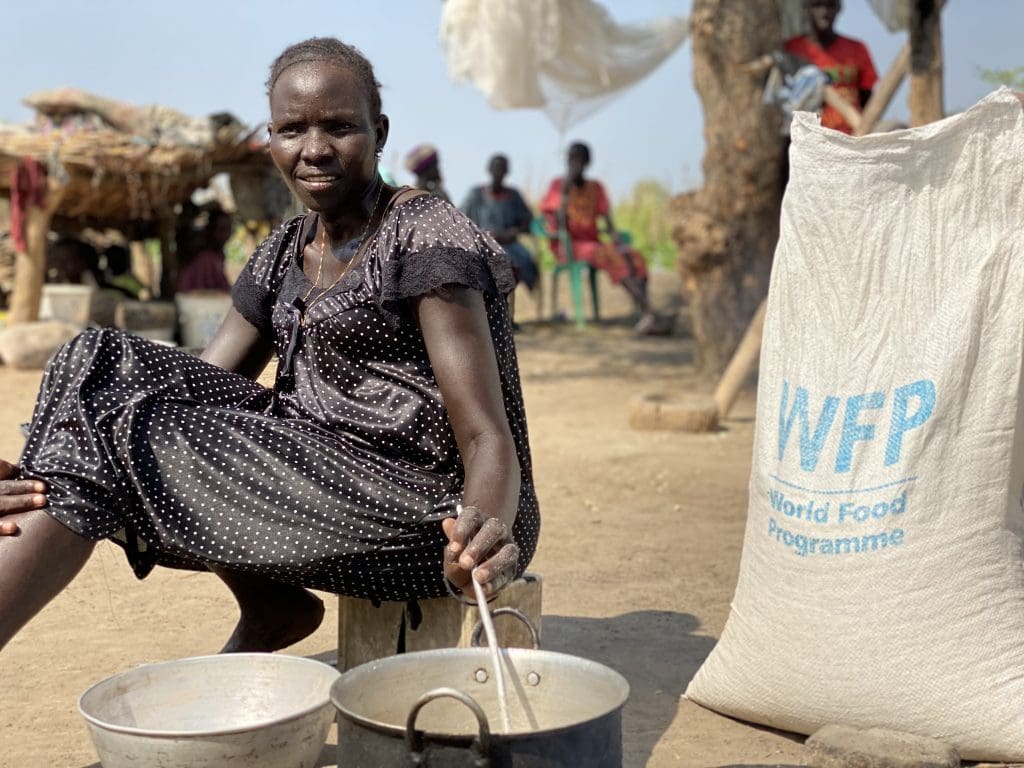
[(35, 565), (637, 288), (274, 615)]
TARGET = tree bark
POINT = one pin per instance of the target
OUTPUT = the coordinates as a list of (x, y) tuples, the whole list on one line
[(925, 62), (727, 230)]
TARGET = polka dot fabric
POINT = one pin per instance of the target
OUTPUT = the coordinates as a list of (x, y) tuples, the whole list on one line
[(338, 478)]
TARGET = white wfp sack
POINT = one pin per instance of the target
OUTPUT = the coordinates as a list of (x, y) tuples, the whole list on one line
[(882, 582)]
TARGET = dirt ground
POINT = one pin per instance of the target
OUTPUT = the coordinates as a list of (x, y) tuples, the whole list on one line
[(639, 552)]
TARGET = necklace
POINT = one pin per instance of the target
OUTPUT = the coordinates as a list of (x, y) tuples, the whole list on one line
[(302, 304)]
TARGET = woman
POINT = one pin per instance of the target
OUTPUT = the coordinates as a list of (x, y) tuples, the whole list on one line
[(501, 210), (579, 205), (204, 270), (396, 404)]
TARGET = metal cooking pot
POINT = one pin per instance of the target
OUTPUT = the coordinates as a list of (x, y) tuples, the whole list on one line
[(440, 708)]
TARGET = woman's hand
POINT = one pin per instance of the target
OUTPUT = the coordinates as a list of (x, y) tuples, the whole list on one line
[(17, 496), (475, 541)]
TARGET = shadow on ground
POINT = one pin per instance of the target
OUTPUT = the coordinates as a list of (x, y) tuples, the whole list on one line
[(656, 651)]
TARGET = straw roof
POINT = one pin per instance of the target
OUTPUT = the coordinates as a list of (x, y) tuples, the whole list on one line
[(115, 179)]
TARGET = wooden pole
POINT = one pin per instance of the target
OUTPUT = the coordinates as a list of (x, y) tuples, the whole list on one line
[(168, 260), (848, 111), (30, 267), (142, 266), (884, 92), (741, 364), (925, 62)]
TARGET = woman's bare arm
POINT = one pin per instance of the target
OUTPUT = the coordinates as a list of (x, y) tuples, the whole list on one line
[(458, 341), (238, 346)]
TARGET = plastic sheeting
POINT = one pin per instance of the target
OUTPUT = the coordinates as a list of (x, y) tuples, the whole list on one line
[(895, 13), (567, 57)]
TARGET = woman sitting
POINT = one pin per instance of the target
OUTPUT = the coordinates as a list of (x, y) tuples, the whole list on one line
[(391, 453), (578, 205)]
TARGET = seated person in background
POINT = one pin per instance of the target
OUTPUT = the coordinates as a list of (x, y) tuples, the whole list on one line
[(119, 272), (71, 260), (578, 204), (424, 163), (846, 61), (502, 211), (205, 270)]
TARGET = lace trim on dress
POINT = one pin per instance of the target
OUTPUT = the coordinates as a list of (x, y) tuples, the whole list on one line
[(425, 271)]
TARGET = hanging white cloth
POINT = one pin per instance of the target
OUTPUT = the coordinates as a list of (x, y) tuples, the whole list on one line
[(894, 13), (567, 57)]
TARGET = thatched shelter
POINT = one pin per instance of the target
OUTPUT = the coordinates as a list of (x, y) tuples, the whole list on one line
[(92, 162)]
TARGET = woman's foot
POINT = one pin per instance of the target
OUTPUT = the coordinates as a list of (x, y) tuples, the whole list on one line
[(282, 617)]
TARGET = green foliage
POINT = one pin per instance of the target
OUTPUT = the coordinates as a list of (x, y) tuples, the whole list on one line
[(1014, 78), (236, 250), (645, 216)]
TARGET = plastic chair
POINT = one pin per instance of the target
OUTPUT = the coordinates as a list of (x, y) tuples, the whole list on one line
[(576, 270)]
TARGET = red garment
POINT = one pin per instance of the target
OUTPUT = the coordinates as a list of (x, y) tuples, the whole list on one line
[(585, 205), (204, 273), (848, 65), (28, 187)]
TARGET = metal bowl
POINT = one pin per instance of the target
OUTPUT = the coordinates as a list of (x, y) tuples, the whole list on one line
[(261, 710)]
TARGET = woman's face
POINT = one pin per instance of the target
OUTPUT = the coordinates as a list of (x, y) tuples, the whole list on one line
[(577, 164), (323, 138)]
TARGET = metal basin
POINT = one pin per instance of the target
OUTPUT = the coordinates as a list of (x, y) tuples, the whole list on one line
[(440, 708), (259, 710)]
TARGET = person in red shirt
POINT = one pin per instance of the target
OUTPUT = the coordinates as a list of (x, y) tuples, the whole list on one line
[(846, 61), (579, 204)]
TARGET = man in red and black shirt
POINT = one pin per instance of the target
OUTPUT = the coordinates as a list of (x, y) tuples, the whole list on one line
[(846, 61)]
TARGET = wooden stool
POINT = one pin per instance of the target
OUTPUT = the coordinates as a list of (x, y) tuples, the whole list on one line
[(367, 632)]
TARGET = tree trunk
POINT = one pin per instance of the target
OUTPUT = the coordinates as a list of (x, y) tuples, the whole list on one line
[(925, 62), (726, 231)]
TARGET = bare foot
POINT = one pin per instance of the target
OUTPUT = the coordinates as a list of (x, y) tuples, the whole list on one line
[(281, 617)]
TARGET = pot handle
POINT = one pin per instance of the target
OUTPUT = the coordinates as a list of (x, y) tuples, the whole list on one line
[(481, 746), (478, 629)]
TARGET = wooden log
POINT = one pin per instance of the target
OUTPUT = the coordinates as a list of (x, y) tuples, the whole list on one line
[(673, 413), (884, 92), (925, 62), (30, 267), (741, 364), (367, 632)]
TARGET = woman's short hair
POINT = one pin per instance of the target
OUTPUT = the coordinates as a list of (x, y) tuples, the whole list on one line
[(581, 149), (332, 51)]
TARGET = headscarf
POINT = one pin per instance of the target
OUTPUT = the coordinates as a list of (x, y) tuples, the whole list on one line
[(420, 158)]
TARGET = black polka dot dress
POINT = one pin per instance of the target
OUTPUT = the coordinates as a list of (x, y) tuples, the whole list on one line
[(337, 478)]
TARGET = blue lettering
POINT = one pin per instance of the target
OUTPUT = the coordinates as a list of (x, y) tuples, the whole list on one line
[(810, 446), (854, 431), (924, 391)]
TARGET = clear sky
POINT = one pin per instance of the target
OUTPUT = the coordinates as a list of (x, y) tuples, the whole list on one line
[(212, 55)]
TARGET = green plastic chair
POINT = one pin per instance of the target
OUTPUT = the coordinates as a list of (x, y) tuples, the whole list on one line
[(577, 270)]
